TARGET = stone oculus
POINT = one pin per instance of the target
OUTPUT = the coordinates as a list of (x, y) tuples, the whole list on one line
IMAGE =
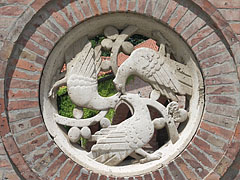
[(172, 78)]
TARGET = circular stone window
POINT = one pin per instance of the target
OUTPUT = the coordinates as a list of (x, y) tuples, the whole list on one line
[(134, 93)]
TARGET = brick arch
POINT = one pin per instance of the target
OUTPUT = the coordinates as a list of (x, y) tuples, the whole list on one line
[(45, 29)]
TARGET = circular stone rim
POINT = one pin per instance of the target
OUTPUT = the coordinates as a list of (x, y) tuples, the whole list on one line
[(56, 131)]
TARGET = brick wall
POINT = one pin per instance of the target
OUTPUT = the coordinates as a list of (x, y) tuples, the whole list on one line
[(29, 29)]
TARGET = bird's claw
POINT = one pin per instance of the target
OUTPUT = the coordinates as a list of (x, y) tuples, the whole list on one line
[(151, 157), (51, 93)]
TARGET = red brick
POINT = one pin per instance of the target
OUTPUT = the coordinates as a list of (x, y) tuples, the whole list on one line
[(230, 35), (22, 104), (206, 6), (4, 127), (138, 178), (22, 84), (60, 20), (201, 171), (11, 175), (177, 15), (32, 145), (201, 34), (104, 6), (31, 46), (218, 131), (220, 120), (160, 7), (53, 27), (23, 114), (223, 100), (230, 14), (25, 76), (207, 148), (4, 163), (44, 161), (38, 38), (185, 21), (185, 169), (225, 68), (211, 51), (175, 171), (157, 175), (75, 172), (50, 35), (19, 162), (207, 42), (218, 59), (11, 10), (132, 5), (235, 27), (122, 5), (148, 177), (94, 7), (233, 149), (10, 145), (219, 80), (84, 175), (67, 12), (113, 5), (166, 174), (219, 20), (85, 8), (27, 55), (169, 10), (221, 90), (76, 11), (38, 4), (141, 6), (200, 156), (223, 166), (65, 170), (23, 64), (213, 176), (25, 2), (237, 132), (22, 94), (55, 166), (30, 134), (94, 176), (226, 3)]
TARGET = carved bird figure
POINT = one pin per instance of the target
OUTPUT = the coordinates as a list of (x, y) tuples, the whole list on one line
[(156, 69), (117, 142), (81, 79)]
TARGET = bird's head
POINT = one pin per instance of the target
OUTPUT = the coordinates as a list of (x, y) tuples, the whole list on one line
[(131, 98)]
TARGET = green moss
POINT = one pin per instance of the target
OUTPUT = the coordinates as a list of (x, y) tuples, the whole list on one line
[(106, 88)]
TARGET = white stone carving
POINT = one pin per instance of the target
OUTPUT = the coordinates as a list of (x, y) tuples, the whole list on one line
[(116, 142), (154, 68)]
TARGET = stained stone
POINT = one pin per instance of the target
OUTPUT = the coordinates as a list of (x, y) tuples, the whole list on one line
[(159, 123), (78, 113), (107, 44), (105, 122), (127, 47), (111, 32), (74, 134), (86, 132)]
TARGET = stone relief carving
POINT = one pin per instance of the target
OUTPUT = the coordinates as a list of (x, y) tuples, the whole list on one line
[(114, 143)]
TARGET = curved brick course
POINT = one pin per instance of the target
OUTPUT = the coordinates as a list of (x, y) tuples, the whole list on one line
[(30, 29)]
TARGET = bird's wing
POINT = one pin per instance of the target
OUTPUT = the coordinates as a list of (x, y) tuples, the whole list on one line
[(83, 63), (160, 73), (118, 144)]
